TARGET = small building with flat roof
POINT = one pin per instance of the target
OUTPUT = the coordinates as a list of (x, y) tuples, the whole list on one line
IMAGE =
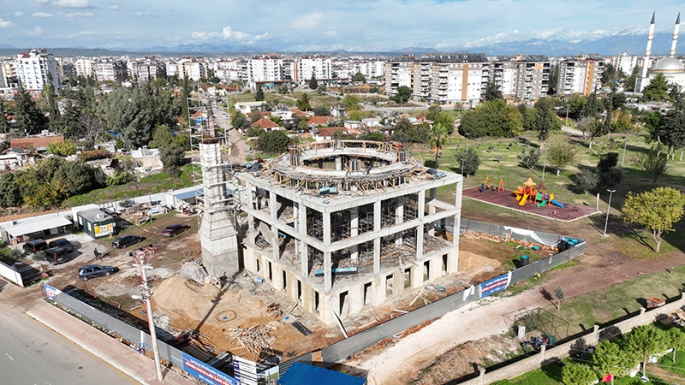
[(96, 223)]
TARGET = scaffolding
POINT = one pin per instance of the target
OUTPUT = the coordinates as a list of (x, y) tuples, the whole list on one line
[(537, 321)]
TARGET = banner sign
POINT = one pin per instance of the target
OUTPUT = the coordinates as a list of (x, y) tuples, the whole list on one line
[(205, 373), (495, 285), (50, 292)]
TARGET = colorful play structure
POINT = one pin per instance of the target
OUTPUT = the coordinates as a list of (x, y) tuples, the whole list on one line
[(487, 187), (530, 192)]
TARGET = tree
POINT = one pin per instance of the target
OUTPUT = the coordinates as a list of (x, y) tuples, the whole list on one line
[(676, 339), (530, 159), (657, 89), (629, 84), (494, 118), (356, 115), (528, 117), (609, 74), (303, 102), (586, 180), (560, 153), (546, 120), (469, 159), (559, 293), (656, 210), (553, 80), (10, 196), (607, 173), (671, 131), (376, 136), (644, 341), (654, 162), (622, 121), (66, 148), (273, 142), (577, 374), (438, 137), (609, 358), (172, 157), (592, 107), (321, 89), (4, 125), (351, 102), (403, 94), (259, 95), (313, 84), (29, 119), (492, 92), (359, 77)]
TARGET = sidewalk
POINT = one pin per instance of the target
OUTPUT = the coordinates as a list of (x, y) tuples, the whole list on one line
[(128, 361)]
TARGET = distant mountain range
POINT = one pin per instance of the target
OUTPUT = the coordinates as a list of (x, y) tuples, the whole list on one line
[(609, 45)]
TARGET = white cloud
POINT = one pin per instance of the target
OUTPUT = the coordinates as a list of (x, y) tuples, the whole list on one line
[(73, 3), (263, 36), (18, 14), (226, 33), (36, 32), (5, 24), (308, 21), (42, 14), (115, 7), (145, 14), (40, 3), (70, 16)]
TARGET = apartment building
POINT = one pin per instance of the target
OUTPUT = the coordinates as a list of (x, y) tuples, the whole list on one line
[(626, 63), (37, 68), (320, 66), (579, 75), (84, 67), (521, 78), (192, 69), (107, 69), (264, 69)]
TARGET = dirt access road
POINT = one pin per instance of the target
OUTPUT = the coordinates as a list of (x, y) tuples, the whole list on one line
[(400, 363)]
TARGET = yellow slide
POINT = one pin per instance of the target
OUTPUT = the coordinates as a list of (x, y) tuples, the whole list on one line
[(523, 200)]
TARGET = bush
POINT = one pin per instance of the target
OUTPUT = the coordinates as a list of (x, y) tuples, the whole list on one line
[(254, 132), (119, 178), (531, 159), (273, 142), (471, 161), (586, 180), (86, 156), (65, 148)]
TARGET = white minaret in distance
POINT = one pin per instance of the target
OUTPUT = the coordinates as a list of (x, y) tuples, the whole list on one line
[(649, 47), (675, 35)]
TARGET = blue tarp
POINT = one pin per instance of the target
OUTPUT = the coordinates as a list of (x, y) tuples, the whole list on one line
[(189, 194), (302, 374)]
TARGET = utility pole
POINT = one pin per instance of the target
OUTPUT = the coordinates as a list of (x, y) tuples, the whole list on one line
[(544, 164), (606, 222), (146, 294), (625, 143)]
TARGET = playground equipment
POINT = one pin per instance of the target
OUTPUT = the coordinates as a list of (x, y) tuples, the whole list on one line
[(487, 187), (530, 192)]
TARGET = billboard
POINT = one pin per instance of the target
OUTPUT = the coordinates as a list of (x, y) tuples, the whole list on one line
[(495, 285), (205, 373), (50, 292)]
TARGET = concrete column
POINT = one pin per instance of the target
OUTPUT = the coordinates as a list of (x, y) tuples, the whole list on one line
[(399, 218), (326, 228), (277, 276), (302, 218), (378, 288), (433, 193), (431, 211), (251, 233), (356, 295), (377, 215), (419, 242), (338, 164), (307, 297), (354, 231), (457, 217), (304, 259), (325, 309), (334, 305), (421, 203), (417, 275), (273, 205), (327, 273), (376, 255), (276, 250), (435, 267), (453, 261)]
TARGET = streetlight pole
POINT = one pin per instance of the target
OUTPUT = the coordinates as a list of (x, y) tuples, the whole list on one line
[(462, 167), (544, 164), (146, 294), (606, 222), (625, 143)]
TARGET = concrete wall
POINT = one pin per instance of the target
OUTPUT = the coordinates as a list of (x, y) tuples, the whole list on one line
[(563, 350)]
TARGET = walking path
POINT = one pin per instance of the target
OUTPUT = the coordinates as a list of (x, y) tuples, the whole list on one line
[(399, 363)]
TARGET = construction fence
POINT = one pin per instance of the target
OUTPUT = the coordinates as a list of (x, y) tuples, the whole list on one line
[(359, 342)]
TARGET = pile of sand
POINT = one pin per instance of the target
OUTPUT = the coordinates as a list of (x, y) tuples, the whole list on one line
[(473, 264)]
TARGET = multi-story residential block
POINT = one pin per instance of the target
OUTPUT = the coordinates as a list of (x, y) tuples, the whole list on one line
[(579, 75), (521, 78), (264, 69), (109, 70), (192, 69), (148, 68), (440, 78), (84, 67), (320, 66), (171, 68), (626, 63), (37, 68)]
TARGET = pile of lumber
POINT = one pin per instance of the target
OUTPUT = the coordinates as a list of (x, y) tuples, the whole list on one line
[(255, 339)]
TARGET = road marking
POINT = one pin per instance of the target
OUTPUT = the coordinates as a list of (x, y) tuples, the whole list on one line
[(10, 357)]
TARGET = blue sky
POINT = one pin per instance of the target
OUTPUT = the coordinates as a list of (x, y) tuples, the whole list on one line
[(353, 25)]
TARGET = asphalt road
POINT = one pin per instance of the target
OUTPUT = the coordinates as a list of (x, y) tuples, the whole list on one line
[(31, 354)]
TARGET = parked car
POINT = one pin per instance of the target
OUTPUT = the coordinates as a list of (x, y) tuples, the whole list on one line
[(56, 255), (34, 246), (126, 241), (175, 229), (93, 271), (62, 243)]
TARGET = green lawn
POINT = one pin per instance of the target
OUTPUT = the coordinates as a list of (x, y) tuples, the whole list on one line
[(152, 184)]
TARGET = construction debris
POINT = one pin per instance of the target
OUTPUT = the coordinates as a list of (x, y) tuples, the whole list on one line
[(255, 339), (193, 271)]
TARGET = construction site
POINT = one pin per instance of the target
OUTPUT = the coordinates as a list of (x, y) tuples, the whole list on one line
[(338, 226)]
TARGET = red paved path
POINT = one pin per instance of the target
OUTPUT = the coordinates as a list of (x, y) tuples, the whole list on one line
[(569, 213)]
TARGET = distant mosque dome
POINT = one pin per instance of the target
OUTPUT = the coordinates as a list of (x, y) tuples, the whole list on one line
[(668, 64)]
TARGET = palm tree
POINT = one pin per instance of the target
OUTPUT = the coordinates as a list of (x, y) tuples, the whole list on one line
[(438, 137)]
